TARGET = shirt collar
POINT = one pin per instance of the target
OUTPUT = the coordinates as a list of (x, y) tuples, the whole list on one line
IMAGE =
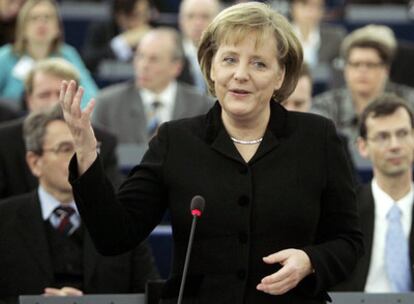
[(384, 202), (48, 203), (166, 97)]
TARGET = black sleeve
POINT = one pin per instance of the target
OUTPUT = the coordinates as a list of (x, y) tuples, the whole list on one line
[(117, 222), (339, 242)]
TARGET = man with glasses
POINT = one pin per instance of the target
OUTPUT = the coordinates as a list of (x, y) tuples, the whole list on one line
[(368, 53), (386, 204), (44, 247), (42, 91)]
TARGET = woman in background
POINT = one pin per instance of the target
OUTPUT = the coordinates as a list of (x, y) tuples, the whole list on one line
[(39, 35)]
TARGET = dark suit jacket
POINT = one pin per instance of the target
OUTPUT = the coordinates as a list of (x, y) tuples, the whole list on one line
[(26, 266), (120, 110), (296, 192), (366, 208), (15, 175)]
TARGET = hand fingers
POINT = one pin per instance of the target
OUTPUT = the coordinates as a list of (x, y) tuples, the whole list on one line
[(68, 96), (277, 257), (65, 291), (63, 88), (70, 291), (89, 108), (49, 291), (277, 288), (282, 274), (77, 99)]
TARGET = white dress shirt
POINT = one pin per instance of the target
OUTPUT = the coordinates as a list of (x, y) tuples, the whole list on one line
[(166, 98), (377, 280), (48, 204), (310, 46)]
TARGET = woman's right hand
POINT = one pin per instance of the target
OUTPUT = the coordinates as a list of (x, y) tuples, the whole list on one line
[(79, 123)]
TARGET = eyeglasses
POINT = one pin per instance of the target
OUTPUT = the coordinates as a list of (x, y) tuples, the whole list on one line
[(383, 139), (66, 148), (366, 64)]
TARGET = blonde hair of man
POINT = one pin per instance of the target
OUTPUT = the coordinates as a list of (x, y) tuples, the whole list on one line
[(57, 67)]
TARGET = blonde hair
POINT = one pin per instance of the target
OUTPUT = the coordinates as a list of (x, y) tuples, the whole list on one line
[(378, 37), (57, 67), (232, 25), (20, 44)]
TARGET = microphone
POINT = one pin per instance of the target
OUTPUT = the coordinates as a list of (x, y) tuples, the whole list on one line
[(197, 208)]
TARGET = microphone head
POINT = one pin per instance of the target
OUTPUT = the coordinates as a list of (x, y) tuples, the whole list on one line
[(197, 205)]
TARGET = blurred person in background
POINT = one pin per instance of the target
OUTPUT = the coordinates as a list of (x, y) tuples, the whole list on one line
[(368, 53), (116, 39), (45, 249), (42, 87), (9, 10), (320, 41), (39, 35), (133, 110), (194, 17)]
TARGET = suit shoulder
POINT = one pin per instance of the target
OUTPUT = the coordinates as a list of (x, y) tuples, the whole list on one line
[(191, 91), (15, 202), (113, 92), (309, 119), (104, 135)]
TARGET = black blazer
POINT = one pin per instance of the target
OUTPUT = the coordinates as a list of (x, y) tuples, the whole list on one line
[(296, 192), (366, 208), (26, 266), (15, 175)]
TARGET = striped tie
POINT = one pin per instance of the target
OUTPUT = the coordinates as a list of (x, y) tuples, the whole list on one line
[(65, 226)]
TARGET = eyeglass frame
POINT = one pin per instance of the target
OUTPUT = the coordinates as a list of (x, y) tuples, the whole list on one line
[(366, 64), (58, 150), (383, 139)]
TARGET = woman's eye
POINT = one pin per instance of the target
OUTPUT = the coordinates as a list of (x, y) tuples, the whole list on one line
[(259, 64), (229, 59)]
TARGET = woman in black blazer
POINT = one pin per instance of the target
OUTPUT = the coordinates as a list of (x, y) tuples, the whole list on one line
[(280, 224)]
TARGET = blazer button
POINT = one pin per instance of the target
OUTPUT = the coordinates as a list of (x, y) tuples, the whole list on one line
[(243, 237), (241, 274), (243, 200)]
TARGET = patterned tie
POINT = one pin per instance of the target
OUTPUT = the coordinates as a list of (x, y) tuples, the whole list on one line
[(65, 226), (153, 118), (397, 260)]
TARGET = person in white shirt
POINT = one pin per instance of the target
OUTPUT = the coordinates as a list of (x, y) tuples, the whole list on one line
[(194, 17), (386, 204), (132, 110)]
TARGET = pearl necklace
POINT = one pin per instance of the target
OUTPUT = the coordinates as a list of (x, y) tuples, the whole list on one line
[(247, 142)]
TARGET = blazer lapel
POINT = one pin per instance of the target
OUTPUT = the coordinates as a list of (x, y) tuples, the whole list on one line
[(90, 258), (32, 231)]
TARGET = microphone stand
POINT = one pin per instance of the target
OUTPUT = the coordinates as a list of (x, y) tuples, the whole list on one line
[(187, 259)]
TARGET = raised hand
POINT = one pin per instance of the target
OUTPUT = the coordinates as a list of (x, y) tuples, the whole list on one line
[(79, 123), (296, 265)]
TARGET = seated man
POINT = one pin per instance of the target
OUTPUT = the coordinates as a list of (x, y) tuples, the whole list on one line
[(44, 247), (133, 110), (385, 205), (42, 90)]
